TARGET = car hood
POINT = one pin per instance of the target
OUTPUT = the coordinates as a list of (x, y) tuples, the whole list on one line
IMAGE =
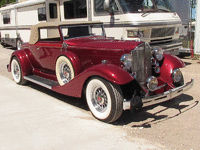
[(102, 43)]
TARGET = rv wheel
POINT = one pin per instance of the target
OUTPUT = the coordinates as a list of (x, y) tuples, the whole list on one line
[(64, 70), (104, 100)]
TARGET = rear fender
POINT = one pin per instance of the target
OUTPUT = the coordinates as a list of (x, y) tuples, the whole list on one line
[(24, 62), (109, 72), (170, 62)]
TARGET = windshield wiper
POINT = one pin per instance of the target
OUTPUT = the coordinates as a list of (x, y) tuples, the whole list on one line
[(146, 13), (165, 10)]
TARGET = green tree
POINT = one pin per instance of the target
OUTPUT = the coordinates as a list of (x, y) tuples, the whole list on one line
[(4, 2), (193, 3)]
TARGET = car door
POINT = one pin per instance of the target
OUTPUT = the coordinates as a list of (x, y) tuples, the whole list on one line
[(48, 53), (47, 49)]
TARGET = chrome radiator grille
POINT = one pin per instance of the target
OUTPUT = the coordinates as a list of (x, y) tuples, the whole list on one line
[(162, 32), (142, 62)]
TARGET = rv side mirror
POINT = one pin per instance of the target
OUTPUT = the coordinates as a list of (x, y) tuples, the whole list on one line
[(111, 10), (106, 5)]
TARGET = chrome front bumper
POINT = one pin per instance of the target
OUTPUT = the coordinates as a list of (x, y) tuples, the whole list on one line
[(168, 95), (169, 48)]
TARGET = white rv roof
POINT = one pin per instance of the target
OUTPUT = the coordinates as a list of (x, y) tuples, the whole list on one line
[(8, 7), (29, 2), (22, 4)]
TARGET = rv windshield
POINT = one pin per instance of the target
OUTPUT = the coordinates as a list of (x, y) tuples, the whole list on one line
[(129, 6)]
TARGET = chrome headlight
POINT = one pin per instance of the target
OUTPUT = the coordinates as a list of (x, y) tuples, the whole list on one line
[(135, 33), (152, 83), (158, 53), (177, 75), (127, 61)]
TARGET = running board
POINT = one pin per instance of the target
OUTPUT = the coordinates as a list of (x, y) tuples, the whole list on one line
[(41, 81)]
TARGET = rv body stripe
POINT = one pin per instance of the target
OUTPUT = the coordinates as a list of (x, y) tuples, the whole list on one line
[(107, 25), (140, 24), (28, 27)]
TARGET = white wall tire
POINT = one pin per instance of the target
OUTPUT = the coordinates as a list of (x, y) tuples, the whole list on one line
[(64, 70), (104, 100), (16, 71)]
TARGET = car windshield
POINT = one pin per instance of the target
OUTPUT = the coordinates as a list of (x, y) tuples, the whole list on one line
[(82, 30), (130, 6)]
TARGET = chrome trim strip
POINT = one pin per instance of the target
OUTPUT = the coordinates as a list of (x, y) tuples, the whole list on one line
[(159, 87), (167, 45), (185, 50), (168, 95), (170, 48), (160, 41), (140, 24), (172, 51)]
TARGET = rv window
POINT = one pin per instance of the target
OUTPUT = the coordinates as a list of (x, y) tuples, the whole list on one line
[(75, 9), (42, 14), (53, 10), (99, 6), (6, 19)]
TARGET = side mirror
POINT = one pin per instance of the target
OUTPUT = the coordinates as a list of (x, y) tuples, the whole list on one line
[(106, 4)]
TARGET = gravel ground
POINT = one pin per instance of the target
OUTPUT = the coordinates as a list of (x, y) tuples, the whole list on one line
[(171, 125)]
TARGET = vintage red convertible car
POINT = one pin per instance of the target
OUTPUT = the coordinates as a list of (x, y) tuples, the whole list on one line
[(76, 59)]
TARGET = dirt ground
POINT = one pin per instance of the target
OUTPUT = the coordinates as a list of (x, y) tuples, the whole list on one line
[(173, 124)]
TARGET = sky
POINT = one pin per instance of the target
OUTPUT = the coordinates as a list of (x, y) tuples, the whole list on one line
[(193, 13)]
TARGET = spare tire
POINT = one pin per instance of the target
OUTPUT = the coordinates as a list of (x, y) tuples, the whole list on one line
[(64, 70)]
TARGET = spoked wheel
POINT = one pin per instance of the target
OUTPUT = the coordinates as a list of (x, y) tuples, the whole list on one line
[(19, 44), (64, 70), (104, 100), (17, 71)]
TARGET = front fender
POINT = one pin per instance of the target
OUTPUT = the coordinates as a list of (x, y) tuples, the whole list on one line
[(109, 72), (170, 62), (24, 62)]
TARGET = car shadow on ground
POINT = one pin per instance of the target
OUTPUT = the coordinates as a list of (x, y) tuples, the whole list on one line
[(77, 102), (144, 117), (155, 114), (187, 63)]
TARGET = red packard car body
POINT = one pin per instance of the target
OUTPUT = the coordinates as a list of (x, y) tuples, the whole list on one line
[(76, 59)]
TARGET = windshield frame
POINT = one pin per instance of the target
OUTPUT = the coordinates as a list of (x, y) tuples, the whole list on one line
[(100, 26)]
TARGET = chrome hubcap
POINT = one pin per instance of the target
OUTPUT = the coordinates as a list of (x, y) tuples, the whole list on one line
[(16, 71), (99, 99), (65, 73)]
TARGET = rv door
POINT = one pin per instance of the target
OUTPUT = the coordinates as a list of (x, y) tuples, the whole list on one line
[(53, 10)]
